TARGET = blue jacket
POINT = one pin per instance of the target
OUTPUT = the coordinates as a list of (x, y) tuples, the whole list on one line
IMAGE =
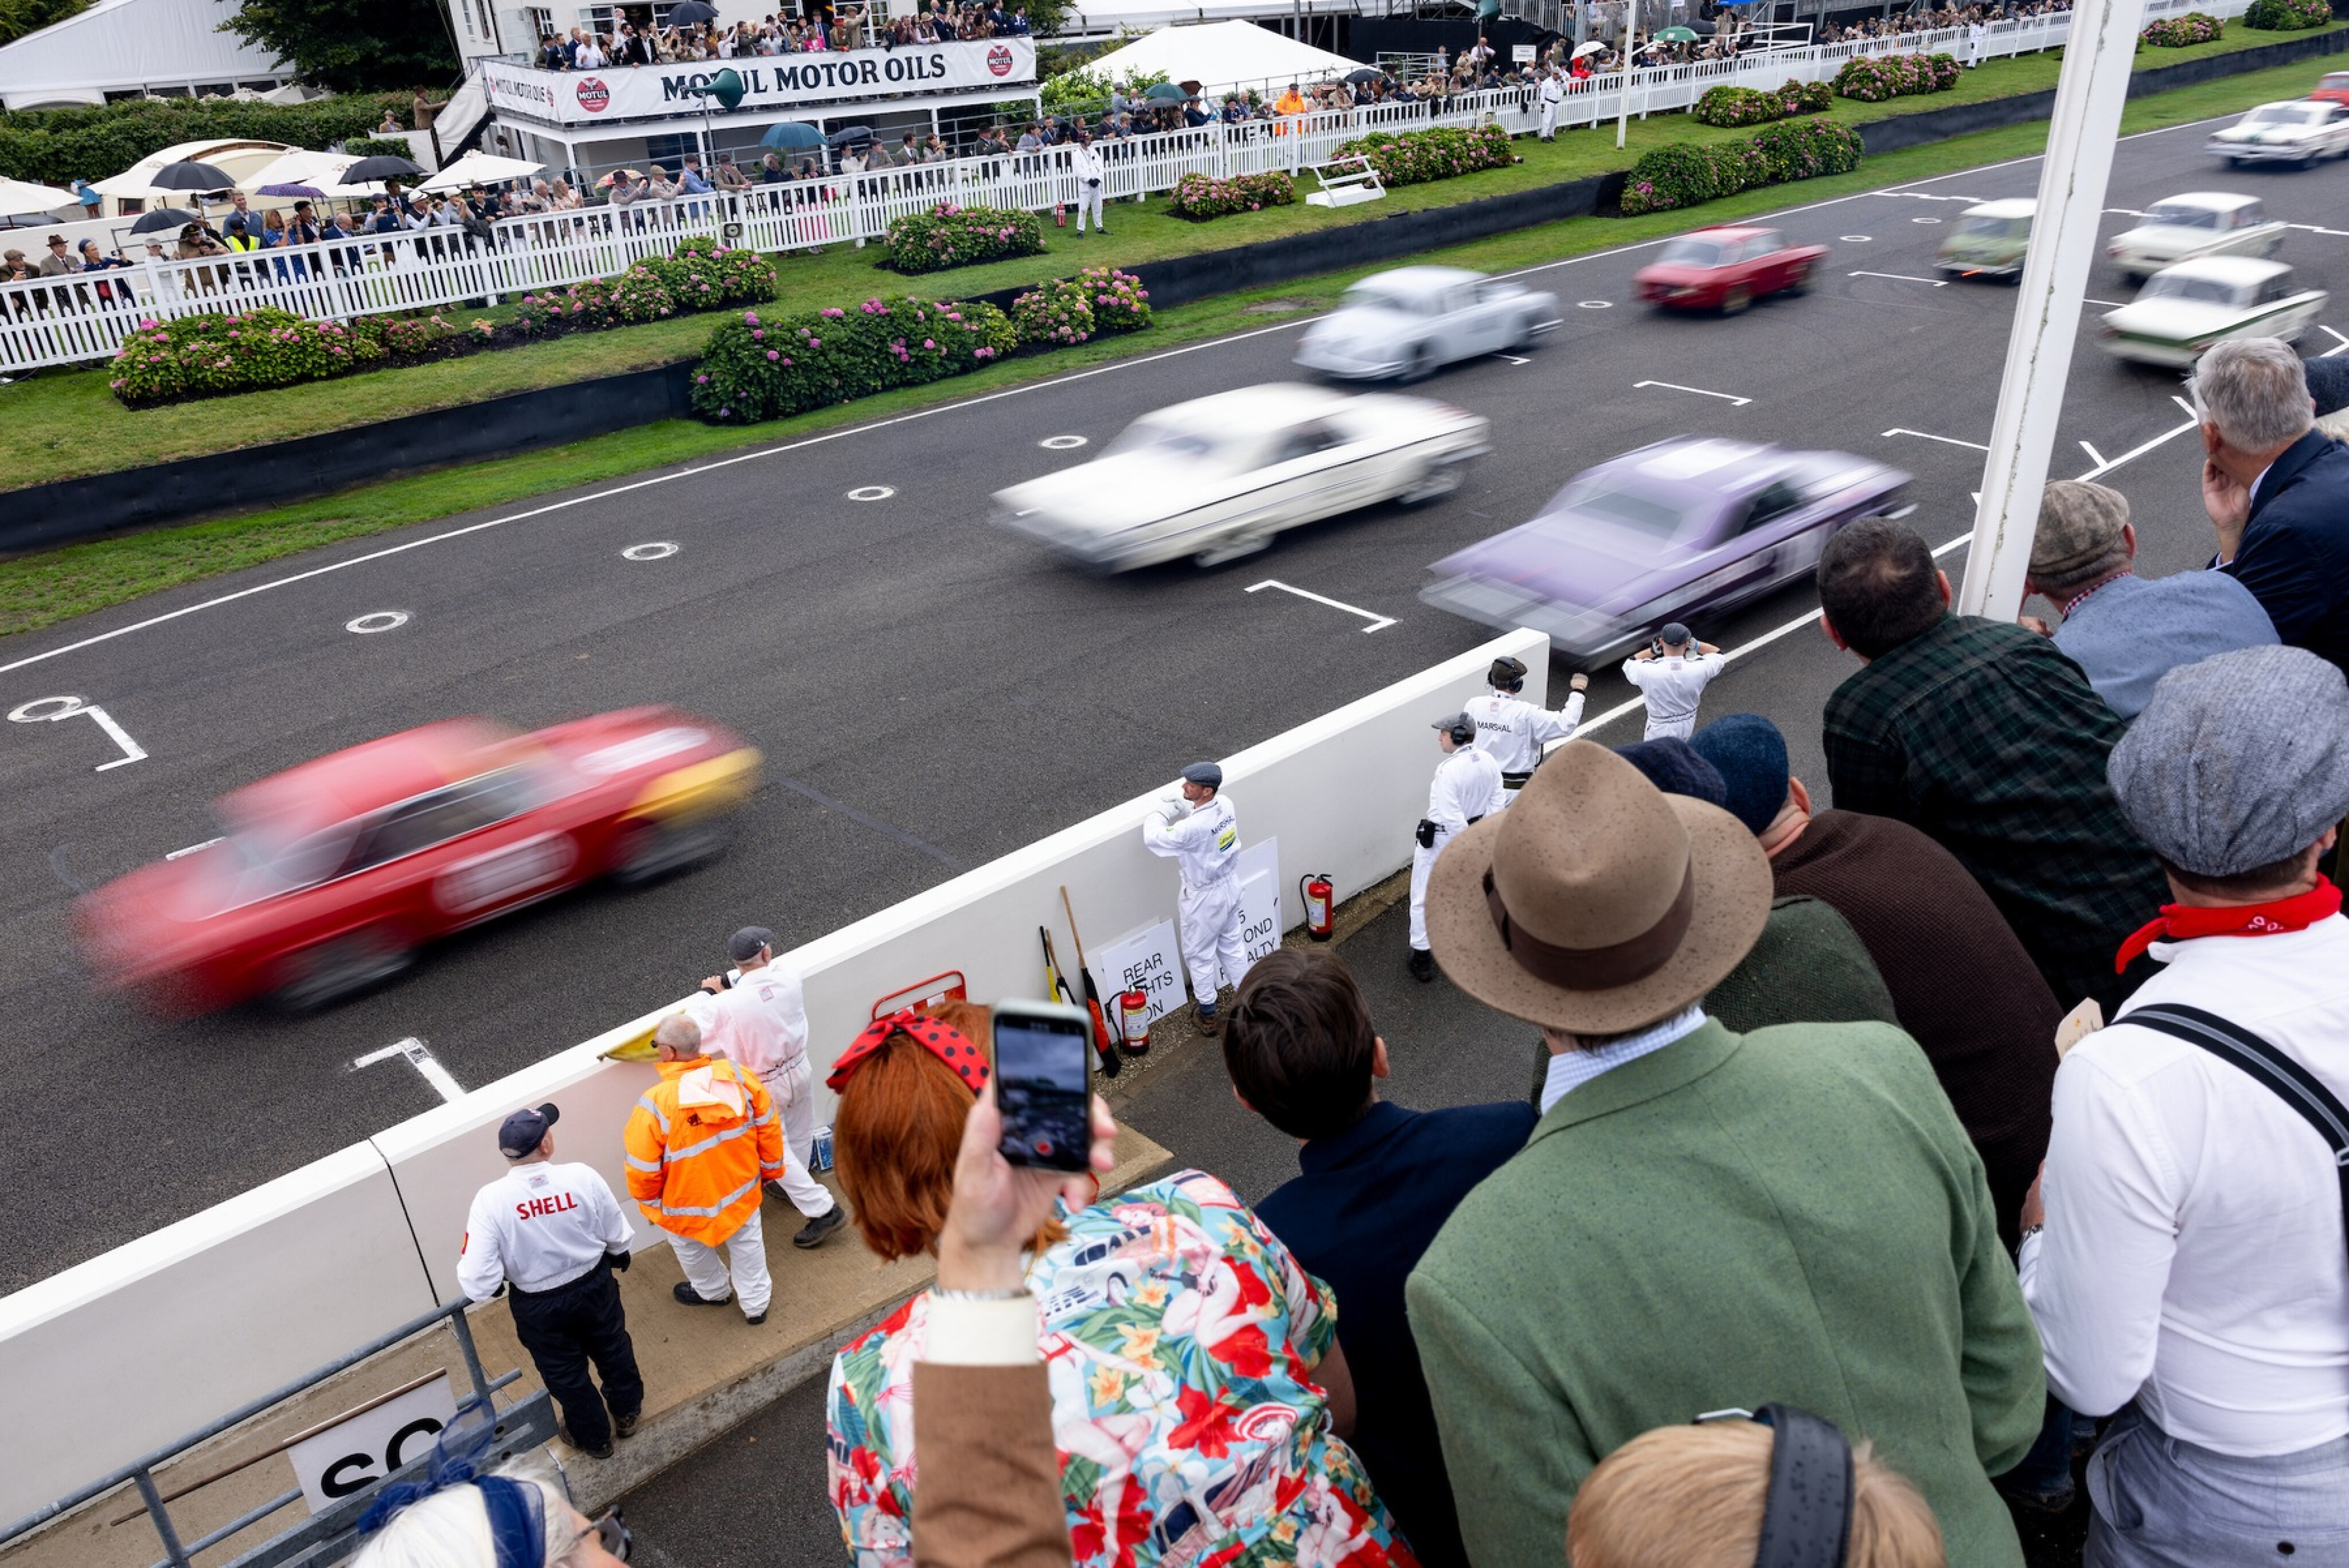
[(2294, 557), (1368, 1203)]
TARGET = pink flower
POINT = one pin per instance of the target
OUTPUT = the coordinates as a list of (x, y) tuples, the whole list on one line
[(773, 354)]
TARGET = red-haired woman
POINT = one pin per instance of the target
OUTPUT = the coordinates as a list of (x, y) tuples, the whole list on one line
[(1197, 1388)]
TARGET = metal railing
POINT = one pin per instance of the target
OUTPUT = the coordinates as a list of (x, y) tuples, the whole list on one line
[(80, 317), (324, 1536)]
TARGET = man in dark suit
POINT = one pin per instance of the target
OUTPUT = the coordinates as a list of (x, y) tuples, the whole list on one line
[(1379, 1183), (2277, 489)]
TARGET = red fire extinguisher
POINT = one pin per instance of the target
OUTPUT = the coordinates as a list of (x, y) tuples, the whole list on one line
[(1320, 904), (1060, 215)]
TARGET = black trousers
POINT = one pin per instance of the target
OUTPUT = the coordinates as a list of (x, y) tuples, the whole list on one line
[(564, 1329)]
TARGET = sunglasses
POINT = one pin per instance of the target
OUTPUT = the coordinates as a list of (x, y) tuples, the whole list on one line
[(610, 1531)]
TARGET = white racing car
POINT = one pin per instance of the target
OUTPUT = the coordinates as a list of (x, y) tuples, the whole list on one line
[(1217, 478), (2198, 223), (2300, 131), (1407, 323), (2183, 310)]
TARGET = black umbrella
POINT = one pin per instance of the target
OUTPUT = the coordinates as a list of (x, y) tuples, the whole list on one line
[(1367, 74), (368, 170), (691, 13), (848, 137), (190, 176), (163, 218)]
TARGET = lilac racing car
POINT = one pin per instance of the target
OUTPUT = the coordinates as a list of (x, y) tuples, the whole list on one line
[(1674, 532)]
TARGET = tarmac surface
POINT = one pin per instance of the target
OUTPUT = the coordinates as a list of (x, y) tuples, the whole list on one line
[(930, 692)]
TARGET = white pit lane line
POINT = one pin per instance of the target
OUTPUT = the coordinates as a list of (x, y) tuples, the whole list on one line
[(1729, 397), (1373, 616), (418, 1055), (1907, 188)]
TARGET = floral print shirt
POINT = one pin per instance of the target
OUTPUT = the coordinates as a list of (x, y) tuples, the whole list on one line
[(1179, 1337)]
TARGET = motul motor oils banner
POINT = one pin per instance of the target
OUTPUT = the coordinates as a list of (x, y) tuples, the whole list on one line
[(768, 81)]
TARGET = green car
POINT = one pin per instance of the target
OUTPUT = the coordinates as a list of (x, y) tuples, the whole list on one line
[(1987, 240)]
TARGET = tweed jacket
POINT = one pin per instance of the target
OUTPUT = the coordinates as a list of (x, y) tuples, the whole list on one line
[(1793, 1214)]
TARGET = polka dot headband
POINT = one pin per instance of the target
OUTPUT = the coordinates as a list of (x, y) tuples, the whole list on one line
[(948, 1044)]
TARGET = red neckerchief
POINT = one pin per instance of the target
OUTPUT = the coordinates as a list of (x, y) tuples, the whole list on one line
[(2083, 596), (2181, 922)]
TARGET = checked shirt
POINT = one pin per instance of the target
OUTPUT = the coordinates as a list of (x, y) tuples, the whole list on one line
[(1988, 739)]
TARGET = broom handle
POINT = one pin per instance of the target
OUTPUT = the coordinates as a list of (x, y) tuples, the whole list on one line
[(1070, 910)]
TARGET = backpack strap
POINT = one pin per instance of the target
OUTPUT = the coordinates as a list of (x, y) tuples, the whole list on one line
[(2286, 1078)]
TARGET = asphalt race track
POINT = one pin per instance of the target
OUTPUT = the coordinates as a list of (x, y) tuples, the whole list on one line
[(929, 693)]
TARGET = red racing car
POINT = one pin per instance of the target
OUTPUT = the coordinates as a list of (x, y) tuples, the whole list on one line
[(1726, 269), (330, 876)]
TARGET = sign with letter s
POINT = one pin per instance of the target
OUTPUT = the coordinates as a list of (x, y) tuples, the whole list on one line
[(352, 1455)]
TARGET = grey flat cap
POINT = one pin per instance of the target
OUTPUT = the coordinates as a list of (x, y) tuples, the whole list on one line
[(2237, 761), (2079, 526), (1209, 774)]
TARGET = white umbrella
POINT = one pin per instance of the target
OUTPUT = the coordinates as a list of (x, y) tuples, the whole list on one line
[(21, 199), (301, 167), (1589, 49), (484, 168)]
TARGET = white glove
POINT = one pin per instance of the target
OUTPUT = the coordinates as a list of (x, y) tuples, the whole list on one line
[(1173, 811)]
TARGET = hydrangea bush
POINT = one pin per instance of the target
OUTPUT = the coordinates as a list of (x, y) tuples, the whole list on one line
[(1055, 313), (2287, 15), (703, 275), (1739, 107), (1875, 79), (763, 367), (1200, 197), (951, 236), (1118, 300), (1685, 174), (2197, 27), (1416, 156), (206, 355)]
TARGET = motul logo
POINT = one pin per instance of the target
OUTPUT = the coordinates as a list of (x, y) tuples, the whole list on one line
[(593, 96), (998, 60)]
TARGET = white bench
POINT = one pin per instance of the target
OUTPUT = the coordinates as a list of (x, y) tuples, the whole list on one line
[(1357, 181)]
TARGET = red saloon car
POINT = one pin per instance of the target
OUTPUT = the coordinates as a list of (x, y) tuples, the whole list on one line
[(1726, 269), (330, 876), (2333, 88)]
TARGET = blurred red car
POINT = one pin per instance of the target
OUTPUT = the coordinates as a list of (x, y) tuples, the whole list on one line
[(2332, 88), (1726, 269), (330, 876)]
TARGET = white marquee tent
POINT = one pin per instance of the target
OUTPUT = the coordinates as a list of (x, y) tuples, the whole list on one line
[(133, 46), (1220, 55)]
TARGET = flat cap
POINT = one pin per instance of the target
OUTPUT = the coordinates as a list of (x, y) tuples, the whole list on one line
[(1459, 725), (2328, 384), (2239, 761), (1751, 755), (1672, 766), (2079, 525), (1210, 774), (1505, 672)]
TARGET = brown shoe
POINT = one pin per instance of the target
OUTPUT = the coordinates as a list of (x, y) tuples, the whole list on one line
[(1208, 1021)]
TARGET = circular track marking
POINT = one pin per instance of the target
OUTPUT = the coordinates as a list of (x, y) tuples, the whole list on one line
[(1924, 220), (657, 550), (872, 492), (1855, 239), (1062, 443), (33, 712), (1594, 305), (377, 621)]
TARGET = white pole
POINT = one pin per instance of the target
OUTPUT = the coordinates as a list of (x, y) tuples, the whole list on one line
[(2088, 99)]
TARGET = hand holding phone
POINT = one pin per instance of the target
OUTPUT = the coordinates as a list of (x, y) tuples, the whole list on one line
[(1043, 1054)]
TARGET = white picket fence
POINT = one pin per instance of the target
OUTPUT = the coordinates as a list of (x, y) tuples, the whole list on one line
[(68, 320)]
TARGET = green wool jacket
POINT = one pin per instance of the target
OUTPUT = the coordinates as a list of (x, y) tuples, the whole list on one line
[(1793, 1215)]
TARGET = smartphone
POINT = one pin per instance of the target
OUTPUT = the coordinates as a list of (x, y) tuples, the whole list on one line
[(1043, 1062)]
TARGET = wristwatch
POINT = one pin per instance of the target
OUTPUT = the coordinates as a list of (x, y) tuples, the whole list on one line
[(2028, 1231)]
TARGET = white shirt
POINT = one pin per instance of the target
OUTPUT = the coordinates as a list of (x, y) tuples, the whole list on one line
[(1672, 686), (2193, 1258), (538, 1226), (1467, 784), (1551, 94), (1205, 845), (1087, 163), (1571, 1069), (1514, 731), (759, 1023), (589, 58)]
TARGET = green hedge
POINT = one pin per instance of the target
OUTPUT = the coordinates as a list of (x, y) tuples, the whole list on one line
[(53, 146), (759, 367), (1875, 79), (951, 236), (2287, 15), (379, 147), (1686, 173), (2184, 32), (1736, 107)]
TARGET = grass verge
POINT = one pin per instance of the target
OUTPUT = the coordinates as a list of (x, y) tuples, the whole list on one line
[(41, 589)]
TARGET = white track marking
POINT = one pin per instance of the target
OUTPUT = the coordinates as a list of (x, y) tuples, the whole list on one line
[(1945, 440), (2094, 456), (2104, 467), (1676, 387), (73, 707), (377, 621), (2339, 342), (1062, 443), (1512, 358), (872, 492), (1905, 278), (657, 550), (419, 1055), (1373, 616), (2108, 305)]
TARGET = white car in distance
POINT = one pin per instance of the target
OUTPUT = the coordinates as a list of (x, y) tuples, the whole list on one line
[(2183, 310), (2299, 132), (1407, 323), (1217, 478), (2198, 223)]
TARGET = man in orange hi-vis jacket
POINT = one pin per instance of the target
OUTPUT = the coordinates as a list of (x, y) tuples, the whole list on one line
[(699, 1144)]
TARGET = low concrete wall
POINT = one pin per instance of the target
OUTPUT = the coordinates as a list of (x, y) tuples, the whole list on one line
[(127, 1352)]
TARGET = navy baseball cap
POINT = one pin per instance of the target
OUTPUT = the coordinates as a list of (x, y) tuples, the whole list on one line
[(1673, 634), (519, 1134), (744, 945)]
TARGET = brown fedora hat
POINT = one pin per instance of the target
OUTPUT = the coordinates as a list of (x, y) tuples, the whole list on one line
[(1596, 903)]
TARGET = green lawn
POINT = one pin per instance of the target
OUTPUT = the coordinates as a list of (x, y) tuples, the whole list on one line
[(63, 424), (37, 589)]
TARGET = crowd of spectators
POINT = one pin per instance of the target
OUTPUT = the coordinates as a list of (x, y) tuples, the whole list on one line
[(848, 27), (1924, 19)]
